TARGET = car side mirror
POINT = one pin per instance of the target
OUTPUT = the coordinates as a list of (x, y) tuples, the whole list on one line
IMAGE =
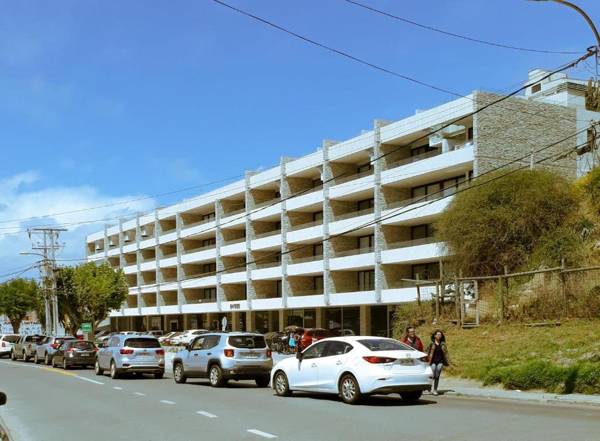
[(299, 356), (2, 398)]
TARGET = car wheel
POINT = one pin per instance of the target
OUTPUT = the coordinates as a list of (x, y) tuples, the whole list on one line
[(13, 356), (25, 357), (65, 365), (215, 376), (97, 369), (53, 362), (159, 375), (281, 385), (114, 374), (47, 359), (262, 381), (411, 397), (350, 390), (179, 374)]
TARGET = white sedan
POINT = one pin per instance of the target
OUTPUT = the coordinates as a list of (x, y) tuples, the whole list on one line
[(353, 367)]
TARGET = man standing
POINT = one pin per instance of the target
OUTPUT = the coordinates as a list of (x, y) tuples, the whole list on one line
[(410, 338)]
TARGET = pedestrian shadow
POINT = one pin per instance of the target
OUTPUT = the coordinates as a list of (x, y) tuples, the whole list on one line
[(231, 384), (373, 400)]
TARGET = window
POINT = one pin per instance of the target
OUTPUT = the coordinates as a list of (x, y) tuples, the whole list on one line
[(421, 150), (211, 341), (536, 88), (209, 293), (113, 342), (421, 231), (318, 249), (278, 287), (384, 344), (208, 216), (82, 345), (208, 242), (426, 271), (247, 342), (318, 284), (337, 348), (315, 351), (142, 343), (197, 344), (317, 215), (447, 187), (365, 242), (209, 267), (365, 204), (366, 280), (363, 168)]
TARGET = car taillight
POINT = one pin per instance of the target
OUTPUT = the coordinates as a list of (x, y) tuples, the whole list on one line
[(71, 350), (160, 352), (269, 353), (379, 360), (228, 353), (125, 351), (54, 345)]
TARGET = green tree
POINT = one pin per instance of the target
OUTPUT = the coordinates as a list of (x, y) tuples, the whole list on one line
[(88, 292), (509, 220), (18, 297)]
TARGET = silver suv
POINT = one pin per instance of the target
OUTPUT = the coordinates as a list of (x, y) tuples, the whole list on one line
[(225, 356), (46, 348), (131, 353)]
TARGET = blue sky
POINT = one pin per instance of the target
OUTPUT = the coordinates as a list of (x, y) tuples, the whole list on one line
[(108, 101)]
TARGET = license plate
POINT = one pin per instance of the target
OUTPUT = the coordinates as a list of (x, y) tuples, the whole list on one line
[(144, 353), (406, 362), (85, 355), (252, 354)]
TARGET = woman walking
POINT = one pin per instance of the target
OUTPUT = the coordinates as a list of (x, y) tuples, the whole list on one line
[(437, 354)]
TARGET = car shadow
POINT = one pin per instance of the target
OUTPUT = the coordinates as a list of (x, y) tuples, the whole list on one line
[(231, 384), (373, 400)]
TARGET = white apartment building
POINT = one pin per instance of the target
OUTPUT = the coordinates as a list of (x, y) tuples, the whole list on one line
[(331, 239)]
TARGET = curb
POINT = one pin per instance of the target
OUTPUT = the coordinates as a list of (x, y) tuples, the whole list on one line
[(573, 399)]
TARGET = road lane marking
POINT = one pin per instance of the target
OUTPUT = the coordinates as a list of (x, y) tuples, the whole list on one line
[(56, 371), (167, 402), (88, 379), (117, 388), (261, 433), (206, 414), (139, 394)]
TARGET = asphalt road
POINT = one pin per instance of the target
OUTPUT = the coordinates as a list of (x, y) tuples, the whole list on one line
[(48, 404)]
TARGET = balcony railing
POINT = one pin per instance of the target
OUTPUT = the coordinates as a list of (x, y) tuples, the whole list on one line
[(262, 265), (198, 275), (306, 259), (353, 252), (148, 259), (354, 214), (267, 234), (168, 229), (235, 268), (347, 178), (234, 212), (412, 243), (171, 254), (307, 225), (412, 159), (307, 292), (416, 199), (200, 222), (200, 248), (170, 279)]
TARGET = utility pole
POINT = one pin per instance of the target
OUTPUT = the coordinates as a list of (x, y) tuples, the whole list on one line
[(45, 240)]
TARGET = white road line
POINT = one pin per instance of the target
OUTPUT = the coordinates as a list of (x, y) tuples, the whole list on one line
[(88, 379), (261, 433), (139, 394), (117, 388), (206, 414), (167, 402)]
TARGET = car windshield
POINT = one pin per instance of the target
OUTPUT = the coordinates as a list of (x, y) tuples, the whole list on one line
[(142, 343), (381, 344), (11, 338), (247, 341), (83, 345)]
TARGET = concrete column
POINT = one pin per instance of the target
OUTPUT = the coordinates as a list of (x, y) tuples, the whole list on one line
[(157, 275), (378, 239), (180, 296), (282, 319), (250, 291), (326, 177), (121, 257), (186, 321), (284, 190), (220, 266), (138, 258), (250, 320), (320, 318), (365, 320), (235, 321)]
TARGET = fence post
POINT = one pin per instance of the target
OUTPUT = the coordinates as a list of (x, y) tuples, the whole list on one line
[(456, 305), (461, 300), (563, 288), (501, 298), (438, 292), (476, 302), (418, 290)]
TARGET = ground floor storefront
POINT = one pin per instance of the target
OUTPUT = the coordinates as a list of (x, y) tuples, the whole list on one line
[(357, 320)]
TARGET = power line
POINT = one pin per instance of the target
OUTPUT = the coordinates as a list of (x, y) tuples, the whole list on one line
[(455, 35)]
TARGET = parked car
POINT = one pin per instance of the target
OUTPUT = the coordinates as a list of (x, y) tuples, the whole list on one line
[(74, 352), (131, 353), (354, 367), (312, 335), (187, 336), (225, 356), (24, 348), (165, 340), (101, 341), (341, 332), (6, 343), (47, 347), (155, 332)]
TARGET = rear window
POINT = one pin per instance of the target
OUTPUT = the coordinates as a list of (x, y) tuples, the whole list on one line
[(384, 345), (142, 343), (83, 345), (248, 341), (11, 338), (60, 340), (35, 338)]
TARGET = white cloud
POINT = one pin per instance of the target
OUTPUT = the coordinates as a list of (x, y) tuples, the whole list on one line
[(21, 206)]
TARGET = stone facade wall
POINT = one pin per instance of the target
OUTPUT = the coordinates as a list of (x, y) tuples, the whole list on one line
[(510, 129)]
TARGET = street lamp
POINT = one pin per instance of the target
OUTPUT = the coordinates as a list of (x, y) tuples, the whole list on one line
[(581, 12)]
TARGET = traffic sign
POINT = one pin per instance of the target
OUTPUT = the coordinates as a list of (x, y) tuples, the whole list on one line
[(86, 327)]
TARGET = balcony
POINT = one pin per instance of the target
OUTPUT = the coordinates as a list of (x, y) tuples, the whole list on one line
[(359, 258), (234, 212), (354, 214), (417, 251), (311, 265), (412, 159), (309, 298), (307, 225), (353, 177), (267, 234), (267, 203), (411, 243)]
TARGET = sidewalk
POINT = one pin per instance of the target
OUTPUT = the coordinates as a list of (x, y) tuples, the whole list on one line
[(468, 388)]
